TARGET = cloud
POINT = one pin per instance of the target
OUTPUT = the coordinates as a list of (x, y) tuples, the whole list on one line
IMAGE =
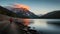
[(21, 6)]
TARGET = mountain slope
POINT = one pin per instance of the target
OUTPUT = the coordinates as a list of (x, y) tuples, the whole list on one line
[(27, 14), (7, 12), (52, 15), (23, 13)]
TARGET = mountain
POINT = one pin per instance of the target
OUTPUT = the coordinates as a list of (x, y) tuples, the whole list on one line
[(7, 12), (27, 14), (40, 15), (52, 15), (23, 13)]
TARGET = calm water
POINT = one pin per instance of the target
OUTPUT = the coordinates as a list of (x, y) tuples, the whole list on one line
[(46, 26)]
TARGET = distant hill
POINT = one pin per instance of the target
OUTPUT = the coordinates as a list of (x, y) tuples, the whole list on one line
[(40, 15), (52, 15)]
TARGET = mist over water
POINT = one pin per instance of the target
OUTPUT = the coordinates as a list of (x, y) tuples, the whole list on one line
[(47, 26)]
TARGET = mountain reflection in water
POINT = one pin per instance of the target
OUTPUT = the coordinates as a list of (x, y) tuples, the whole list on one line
[(46, 26)]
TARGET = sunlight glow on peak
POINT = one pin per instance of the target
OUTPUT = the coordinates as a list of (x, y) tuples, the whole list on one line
[(21, 6)]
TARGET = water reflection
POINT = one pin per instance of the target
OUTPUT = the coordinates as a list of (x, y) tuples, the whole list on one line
[(47, 26)]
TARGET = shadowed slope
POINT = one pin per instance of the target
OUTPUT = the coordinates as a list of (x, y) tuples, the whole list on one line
[(52, 15), (5, 11)]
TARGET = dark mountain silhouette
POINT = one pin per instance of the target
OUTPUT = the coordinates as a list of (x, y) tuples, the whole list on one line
[(52, 15), (7, 12), (23, 13)]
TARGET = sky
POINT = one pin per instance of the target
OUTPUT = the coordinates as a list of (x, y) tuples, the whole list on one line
[(36, 6)]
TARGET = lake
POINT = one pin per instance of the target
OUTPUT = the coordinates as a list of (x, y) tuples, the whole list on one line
[(46, 26)]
